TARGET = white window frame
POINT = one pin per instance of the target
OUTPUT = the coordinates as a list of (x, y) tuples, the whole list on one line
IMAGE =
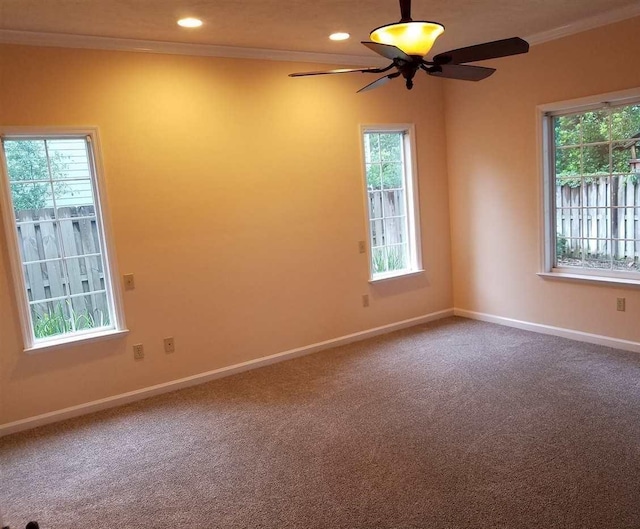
[(545, 115), (412, 204), (118, 326)]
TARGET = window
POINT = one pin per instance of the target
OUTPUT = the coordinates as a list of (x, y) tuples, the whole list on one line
[(592, 190), (55, 228), (392, 211)]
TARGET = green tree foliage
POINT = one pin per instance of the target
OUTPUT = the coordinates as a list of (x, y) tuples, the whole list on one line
[(577, 138), (27, 160), (384, 160)]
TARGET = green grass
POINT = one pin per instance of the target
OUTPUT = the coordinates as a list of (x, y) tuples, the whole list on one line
[(54, 322), (392, 259)]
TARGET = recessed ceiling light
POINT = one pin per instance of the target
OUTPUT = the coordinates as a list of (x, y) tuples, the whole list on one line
[(190, 22), (339, 36)]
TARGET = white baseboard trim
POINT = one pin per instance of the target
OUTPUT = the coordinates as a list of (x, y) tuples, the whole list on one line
[(201, 378), (580, 336)]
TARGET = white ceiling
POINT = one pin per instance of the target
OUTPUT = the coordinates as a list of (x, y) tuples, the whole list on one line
[(304, 25)]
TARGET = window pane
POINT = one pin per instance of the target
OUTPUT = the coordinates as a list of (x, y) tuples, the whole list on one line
[(627, 243), (391, 147), (26, 160), (79, 237), (85, 274), (38, 240), (377, 233), (46, 280), (595, 192), (379, 260), (624, 156), (628, 265), (374, 176), (375, 204), (30, 196), (80, 313), (569, 193), (396, 257), (394, 230), (598, 223), (568, 161), (567, 130), (626, 230), (595, 126), (597, 254), (568, 222), (569, 251), (392, 175), (372, 147), (394, 203), (595, 159), (68, 159), (50, 319), (73, 193), (625, 122)]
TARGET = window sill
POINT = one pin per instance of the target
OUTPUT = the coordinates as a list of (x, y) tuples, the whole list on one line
[(76, 340), (620, 281), (395, 275)]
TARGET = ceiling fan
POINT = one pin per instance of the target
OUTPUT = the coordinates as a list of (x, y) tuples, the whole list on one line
[(407, 42)]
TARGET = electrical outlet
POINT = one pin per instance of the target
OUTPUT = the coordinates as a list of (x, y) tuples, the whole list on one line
[(362, 247), (138, 351), (620, 304), (169, 345), (365, 300), (129, 283)]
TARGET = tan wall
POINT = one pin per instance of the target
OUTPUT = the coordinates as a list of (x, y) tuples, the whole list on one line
[(236, 200), (494, 182)]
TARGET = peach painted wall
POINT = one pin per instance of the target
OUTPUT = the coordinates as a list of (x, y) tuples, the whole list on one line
[(494, 180), (236, 199)]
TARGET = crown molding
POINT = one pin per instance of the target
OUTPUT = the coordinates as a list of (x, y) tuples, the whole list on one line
[(585, 24), (60, 40)]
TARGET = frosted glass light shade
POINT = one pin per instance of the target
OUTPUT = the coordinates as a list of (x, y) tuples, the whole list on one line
[(413, 38)]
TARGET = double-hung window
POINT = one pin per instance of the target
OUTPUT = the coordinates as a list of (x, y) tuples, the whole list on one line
[(392, 201), (592, 188), (53, 206)]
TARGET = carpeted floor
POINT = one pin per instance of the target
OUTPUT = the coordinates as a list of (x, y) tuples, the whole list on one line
[(454, 424)]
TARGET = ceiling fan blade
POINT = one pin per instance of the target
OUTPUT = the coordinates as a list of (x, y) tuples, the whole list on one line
[(388, 51), (462, 71), (339, 70), (405, 10), (378, 82), (481, 52)]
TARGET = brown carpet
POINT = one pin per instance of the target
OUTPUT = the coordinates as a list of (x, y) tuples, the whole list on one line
[(455, 424)]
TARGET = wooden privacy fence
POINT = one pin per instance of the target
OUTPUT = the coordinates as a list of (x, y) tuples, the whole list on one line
[(41, 237), (601, 217), (386, 209)]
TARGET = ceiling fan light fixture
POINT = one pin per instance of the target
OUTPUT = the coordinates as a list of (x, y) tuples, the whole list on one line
[(412, 37)]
